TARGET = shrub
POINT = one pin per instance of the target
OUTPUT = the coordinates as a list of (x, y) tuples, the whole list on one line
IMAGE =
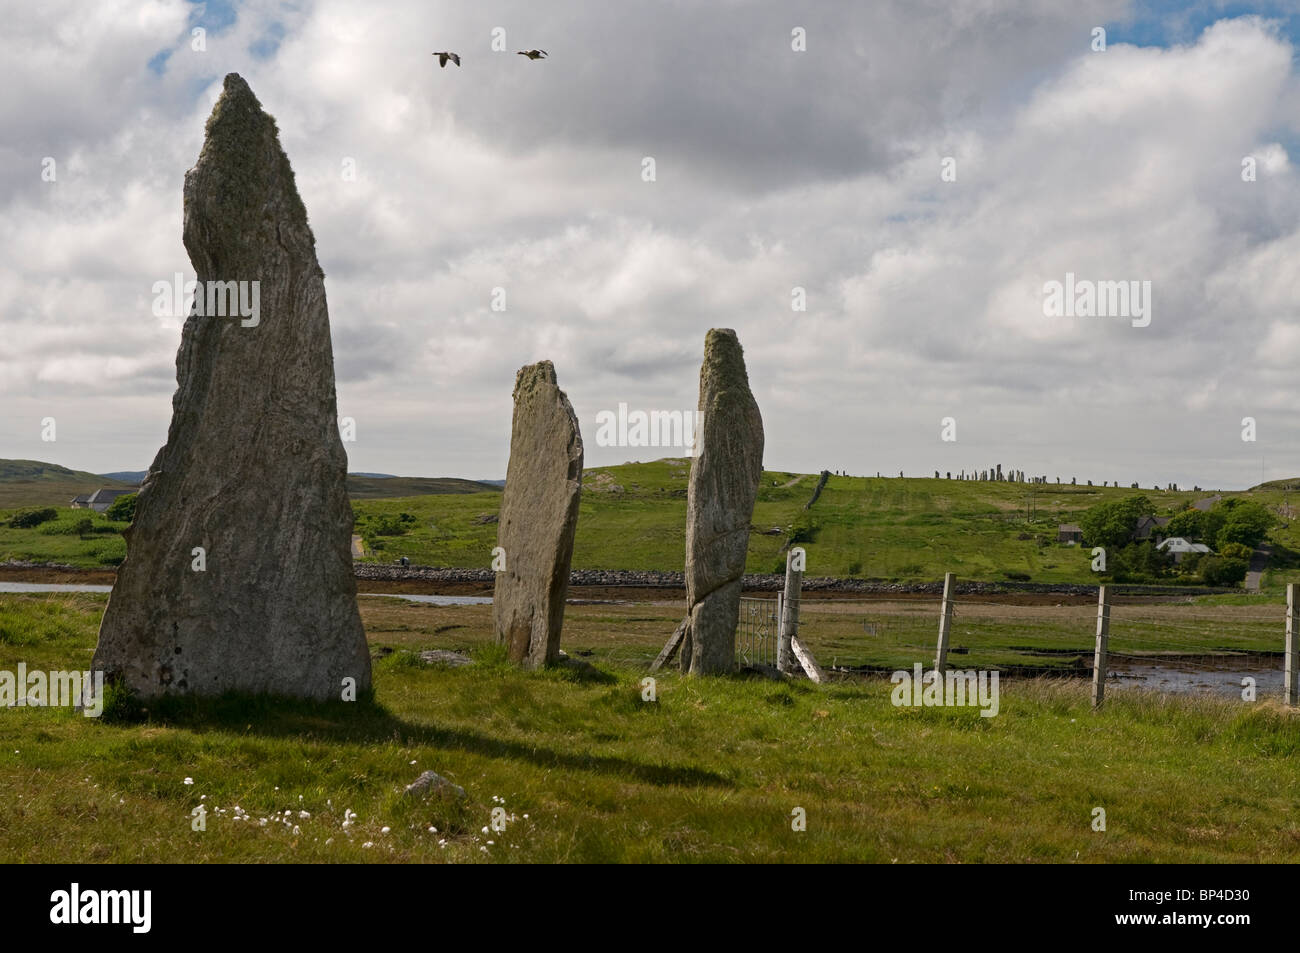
[(804, 534), (30, 518), (122, 510), (1235, 551), (1220, 571), (385, 524)]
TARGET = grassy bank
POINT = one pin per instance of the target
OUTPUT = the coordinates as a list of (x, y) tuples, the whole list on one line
[(711, 771)]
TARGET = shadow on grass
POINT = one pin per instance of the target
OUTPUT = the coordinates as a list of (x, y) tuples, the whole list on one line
[(366, 721)]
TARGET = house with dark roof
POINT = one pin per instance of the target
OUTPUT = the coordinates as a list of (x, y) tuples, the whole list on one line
[(1147, 525), (100, 500), (1069, 533)]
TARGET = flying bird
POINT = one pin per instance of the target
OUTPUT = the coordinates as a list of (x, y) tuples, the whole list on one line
[(532, 54), (443, 57)]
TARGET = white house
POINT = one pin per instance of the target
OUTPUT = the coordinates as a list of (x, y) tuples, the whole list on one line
[(98, 501), (1181, 547)]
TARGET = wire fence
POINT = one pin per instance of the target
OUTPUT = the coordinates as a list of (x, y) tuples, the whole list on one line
[(1172, 647)]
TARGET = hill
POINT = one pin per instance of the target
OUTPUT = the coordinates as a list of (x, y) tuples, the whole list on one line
[(363, 486), (127, 476), (33, 483), (633, 517)]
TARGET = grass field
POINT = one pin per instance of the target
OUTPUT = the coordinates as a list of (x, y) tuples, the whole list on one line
[(60, 541), (633, 517), (589, 771)]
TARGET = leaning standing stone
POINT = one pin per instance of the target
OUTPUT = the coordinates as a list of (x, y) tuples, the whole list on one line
[(539, 517), (238, 573), (719, 505)]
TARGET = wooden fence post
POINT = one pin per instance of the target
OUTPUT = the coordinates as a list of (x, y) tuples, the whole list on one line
[(945, 625), (1292, 632), (1103, 647), (789, 616)]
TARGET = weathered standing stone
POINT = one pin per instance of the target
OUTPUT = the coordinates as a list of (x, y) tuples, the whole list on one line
[(719, 505), (539, 517), (253, 470)]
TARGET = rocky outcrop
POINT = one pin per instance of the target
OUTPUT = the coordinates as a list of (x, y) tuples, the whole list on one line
[(538, 519), (238, 573)]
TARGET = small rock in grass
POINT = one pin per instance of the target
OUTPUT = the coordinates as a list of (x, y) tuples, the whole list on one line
[(443, 657), (431, 782)]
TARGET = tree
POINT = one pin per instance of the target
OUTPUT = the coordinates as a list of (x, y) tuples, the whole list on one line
[(1220, 571), (1137, 562), (1246, 523), (122, 509), (1113, 523), (1189, 524)]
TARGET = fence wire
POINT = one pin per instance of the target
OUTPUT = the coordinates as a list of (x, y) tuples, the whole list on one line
[(1171, 643)]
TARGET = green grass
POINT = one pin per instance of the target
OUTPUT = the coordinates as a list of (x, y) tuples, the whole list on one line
[(59, 541), (633, 517), (709, 772)]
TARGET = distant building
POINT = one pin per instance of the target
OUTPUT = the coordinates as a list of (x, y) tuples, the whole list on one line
[(1069, 533), (1150, 524), (1180, 547), (100, 500)]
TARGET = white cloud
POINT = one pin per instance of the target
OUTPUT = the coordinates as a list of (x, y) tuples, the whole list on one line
[(776, 169)]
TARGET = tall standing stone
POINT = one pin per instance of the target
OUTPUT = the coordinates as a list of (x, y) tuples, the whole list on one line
[(238, 573), (539, 518), (724, 480)]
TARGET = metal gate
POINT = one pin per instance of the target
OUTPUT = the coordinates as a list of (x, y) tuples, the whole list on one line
[(756, 634)]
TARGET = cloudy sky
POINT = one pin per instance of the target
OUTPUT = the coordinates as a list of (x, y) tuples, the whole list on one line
[(775, 168)]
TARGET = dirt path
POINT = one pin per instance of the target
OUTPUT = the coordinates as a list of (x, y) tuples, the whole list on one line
[(1258, 560)]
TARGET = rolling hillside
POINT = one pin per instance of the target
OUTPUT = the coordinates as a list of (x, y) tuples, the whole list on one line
[(364, 486), (633, 517), (33, 483)]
